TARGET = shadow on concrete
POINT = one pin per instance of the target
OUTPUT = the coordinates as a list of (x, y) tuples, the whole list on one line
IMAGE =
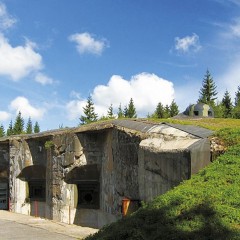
[(200, 222)]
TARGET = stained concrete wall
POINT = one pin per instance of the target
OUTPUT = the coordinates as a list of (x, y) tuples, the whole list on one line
[(24, 154)]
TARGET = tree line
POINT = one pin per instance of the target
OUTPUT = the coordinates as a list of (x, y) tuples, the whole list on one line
[(17, 127), (224, 108), (129, 111)]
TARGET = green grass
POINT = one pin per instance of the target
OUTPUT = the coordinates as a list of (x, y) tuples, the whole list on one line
[(205, 207), (209, 123)]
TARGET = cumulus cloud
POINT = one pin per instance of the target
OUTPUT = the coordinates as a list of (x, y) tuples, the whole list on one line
[(4, 116), (43, 79), (18, 62), (87, 44), (75, 109), (187, 44), (146, 89), (23, 105), (6, 20)]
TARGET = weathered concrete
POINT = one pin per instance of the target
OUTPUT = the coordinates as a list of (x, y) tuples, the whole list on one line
[(81, 175)]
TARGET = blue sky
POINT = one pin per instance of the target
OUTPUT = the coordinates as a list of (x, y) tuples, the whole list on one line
[(55, 53)]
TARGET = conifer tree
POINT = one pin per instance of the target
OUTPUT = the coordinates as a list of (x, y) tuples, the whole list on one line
[(89, 111), (18, 127), (131, 110), (227, 105), (237, 97), (159, 112), (10, 129), (236, 110), (166, 111), (120, 111), (208, 91), (110, 112), (36, 128), (125, 112), (173, 109), (29, 127), (2, 131)]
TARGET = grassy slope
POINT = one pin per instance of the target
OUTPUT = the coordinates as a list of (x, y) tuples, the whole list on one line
[(204, 207)]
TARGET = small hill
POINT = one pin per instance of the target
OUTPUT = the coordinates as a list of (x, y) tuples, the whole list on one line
[(204, 207)]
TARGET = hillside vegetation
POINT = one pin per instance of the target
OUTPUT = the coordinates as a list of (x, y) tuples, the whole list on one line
[(205, 207)]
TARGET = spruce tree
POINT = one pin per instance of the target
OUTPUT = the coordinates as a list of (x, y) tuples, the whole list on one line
[(237, 97), (227, 105), (125, 112), (29, 127), (173, 109), (166, 111), (120, 111), (2, 131), (89, 111), (218, 110), (18, 127), (36, 128), (110, 112), (208, 91), (159, 112), (131, 111), (236, 110), (10, 129)]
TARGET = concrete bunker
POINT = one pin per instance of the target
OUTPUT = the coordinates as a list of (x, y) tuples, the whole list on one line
[(86, 174)]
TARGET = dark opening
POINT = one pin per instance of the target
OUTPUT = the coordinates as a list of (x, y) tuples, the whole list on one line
[(88, 195), (37, 190), (195, 113), (3, 196), (209, 113)]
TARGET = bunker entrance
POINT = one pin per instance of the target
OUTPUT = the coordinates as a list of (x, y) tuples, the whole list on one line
[(87, 180), (35, 176)]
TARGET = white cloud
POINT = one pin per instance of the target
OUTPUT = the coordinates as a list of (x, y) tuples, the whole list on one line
[(6, 20), (187, 44), (43, 79), (4, 116), (87, 44), (18, 62), (229, 79), (146, 89), (23, 105), (75, 109)]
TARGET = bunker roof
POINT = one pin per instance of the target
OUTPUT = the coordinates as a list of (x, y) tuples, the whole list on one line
[(142, 126)]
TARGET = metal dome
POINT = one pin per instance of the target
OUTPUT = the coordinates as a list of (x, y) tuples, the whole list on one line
[(199, 110)]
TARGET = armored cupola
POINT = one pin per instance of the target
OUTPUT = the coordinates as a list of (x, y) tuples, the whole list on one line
[(199, 110)]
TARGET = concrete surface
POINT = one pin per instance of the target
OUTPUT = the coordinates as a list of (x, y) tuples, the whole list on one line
[(19, 226)]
